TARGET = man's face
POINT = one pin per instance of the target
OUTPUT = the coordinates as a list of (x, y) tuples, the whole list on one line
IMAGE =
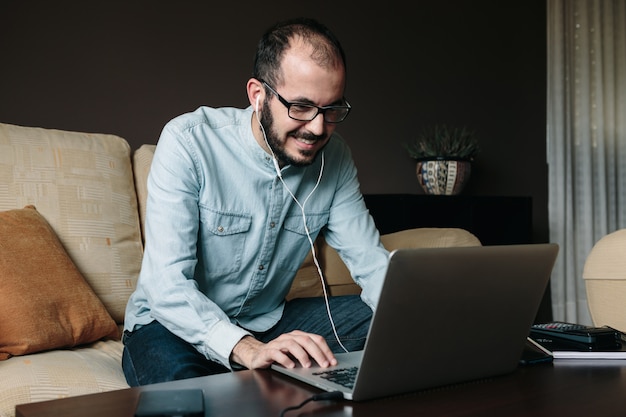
[(295, 142)]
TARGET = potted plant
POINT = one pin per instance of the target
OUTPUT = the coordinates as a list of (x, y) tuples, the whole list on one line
[(444, 155)]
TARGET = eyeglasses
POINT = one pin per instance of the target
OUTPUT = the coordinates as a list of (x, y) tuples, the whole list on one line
[(303, 112)]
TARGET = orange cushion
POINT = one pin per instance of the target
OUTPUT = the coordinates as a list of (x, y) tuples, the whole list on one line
[(45, 302)]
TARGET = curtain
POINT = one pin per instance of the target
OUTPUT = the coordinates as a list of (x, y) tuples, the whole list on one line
[(586, 139)]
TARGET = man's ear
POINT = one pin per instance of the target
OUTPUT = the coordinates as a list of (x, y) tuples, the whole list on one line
[(256, 93)]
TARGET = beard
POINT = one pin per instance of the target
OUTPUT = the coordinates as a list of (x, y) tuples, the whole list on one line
[(277, 145)]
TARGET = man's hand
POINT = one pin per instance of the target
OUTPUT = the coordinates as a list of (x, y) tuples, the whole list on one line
[(286, 348)]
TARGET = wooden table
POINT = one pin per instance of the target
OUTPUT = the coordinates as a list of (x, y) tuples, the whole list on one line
[(565, 388)]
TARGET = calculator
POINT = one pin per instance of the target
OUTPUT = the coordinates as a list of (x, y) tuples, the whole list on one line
[(559, 335)]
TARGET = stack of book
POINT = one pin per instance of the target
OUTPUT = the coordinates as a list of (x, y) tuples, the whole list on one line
[(575, 341)]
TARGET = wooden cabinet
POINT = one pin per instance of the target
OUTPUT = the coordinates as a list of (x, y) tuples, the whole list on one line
[(493, 219)]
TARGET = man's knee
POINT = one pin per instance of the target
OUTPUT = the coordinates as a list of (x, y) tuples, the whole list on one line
[(153, 354)]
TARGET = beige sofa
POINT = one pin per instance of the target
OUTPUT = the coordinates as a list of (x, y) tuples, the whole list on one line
[(69, 262)]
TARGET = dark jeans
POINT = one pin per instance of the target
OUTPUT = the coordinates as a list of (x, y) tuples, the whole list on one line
[(153, 354)]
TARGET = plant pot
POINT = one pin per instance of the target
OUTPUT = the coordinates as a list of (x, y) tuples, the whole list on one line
[(440, 176)]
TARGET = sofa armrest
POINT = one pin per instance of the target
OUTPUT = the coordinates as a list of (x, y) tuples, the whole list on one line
[(336, 274)]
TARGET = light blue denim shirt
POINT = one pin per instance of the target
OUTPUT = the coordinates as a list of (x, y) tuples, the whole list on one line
[(224, 237)]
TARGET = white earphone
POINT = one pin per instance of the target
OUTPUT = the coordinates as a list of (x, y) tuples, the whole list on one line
[(280, 176)]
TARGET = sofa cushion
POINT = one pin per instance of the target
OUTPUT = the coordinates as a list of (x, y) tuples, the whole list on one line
[(82, 183), (60, 374), (45, 303)]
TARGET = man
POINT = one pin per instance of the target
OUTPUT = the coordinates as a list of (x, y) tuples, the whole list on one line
[(235, 199)]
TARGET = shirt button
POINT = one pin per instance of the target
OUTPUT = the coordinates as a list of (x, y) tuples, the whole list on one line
[(261, 267), (220, 229), (272, 225)]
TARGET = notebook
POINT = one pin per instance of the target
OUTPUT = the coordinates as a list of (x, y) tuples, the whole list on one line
[(445, 316)]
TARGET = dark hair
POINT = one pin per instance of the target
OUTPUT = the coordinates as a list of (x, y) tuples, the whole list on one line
[(327, 50)]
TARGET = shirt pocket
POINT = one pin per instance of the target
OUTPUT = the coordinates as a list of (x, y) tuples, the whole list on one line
[(223, 236), (294, 241)]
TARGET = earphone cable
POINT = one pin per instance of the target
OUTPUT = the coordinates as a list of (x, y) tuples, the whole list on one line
[(306, 229), (313, 251)]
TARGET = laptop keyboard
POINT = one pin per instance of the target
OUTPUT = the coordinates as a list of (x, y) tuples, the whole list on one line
[(341, 376)]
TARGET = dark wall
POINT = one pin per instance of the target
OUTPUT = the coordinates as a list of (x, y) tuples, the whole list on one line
[(128, 67)]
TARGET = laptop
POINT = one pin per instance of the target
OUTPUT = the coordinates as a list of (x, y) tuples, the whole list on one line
[(445, 316)]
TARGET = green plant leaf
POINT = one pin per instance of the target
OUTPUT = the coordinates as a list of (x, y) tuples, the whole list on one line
[(444, 142)]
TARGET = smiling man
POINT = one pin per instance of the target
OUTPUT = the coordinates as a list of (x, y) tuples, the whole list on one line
[(235, 199)]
